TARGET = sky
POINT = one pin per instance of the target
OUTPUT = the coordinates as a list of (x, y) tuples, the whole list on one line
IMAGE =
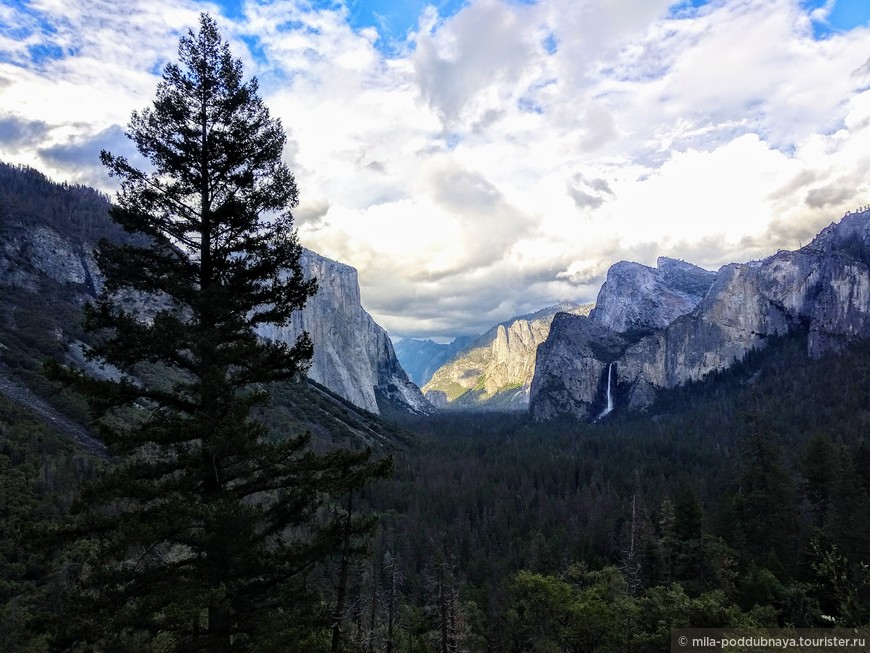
[(481, 159)]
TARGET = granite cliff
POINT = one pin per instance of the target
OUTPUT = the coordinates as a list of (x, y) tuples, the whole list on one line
[(353, 355), (495, 370), (635, 297), (823, 288), (49, 232), (422, 358)]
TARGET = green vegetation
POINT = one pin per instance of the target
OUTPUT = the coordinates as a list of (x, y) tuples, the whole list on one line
[(453, 391), (742, 500), (40, 476), (29, 199), (200, 534)]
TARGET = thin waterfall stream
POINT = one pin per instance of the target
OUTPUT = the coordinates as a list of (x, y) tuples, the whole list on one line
[(609, 408)]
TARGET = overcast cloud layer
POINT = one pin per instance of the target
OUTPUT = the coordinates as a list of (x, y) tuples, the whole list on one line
[(499, 159)]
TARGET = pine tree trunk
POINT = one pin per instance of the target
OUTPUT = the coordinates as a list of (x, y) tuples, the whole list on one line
[(391, 608), (342, 580), (442, 608), (219, 627)]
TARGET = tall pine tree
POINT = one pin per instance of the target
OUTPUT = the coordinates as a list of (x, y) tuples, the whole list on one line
[(205, 524)]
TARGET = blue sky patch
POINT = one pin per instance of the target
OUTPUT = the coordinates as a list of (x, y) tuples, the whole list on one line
[(551, 45), (233, 8), (254, 47), (685, 8), (845, 15), (44, 52), (395, 18), (528, 105), (452, 139), (32, 21)]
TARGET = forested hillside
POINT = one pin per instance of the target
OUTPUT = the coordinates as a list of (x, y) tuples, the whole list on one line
[(27, 197), (743, 500)]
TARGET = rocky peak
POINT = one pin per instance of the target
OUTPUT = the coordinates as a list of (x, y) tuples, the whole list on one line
[(685, 277), (495, 371), (353, 355), (850, 236), (636, 297), (823, 288)]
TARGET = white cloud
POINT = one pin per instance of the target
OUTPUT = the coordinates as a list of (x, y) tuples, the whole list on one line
[(503, 157), (477, 62), (93, 66)]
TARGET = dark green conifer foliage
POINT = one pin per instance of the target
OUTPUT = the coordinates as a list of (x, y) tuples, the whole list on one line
[(204, 526), (767, 503)]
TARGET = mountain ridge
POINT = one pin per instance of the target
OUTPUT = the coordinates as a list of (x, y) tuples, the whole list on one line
[(823, 287), (495, 370), (421, 358), (49, 235)]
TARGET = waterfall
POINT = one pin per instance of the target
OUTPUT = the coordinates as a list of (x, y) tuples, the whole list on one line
[(609, 409)]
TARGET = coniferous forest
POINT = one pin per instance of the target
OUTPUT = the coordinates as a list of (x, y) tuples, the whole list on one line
[(239, 509), (743, 501)]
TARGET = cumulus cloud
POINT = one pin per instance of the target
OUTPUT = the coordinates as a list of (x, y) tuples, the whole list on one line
[(500, 158), (82, 66), (819, 198), (77, 153), (311, 213), (474, 63), (589, 193), (17, 132)]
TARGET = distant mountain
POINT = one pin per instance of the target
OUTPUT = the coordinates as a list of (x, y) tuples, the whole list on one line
[(680, 323), (49, 232), (495, 370), (421, 358)]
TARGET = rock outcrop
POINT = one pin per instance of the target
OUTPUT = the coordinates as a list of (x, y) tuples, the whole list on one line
[(353, 356), (32, 253), (823, 288), (422, 358), (637, 297), (571, 366), (495, 371)]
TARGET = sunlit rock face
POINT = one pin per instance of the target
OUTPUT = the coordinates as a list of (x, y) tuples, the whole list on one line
[(495, 371), (353, 355), (422, 358), (823, 287)]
